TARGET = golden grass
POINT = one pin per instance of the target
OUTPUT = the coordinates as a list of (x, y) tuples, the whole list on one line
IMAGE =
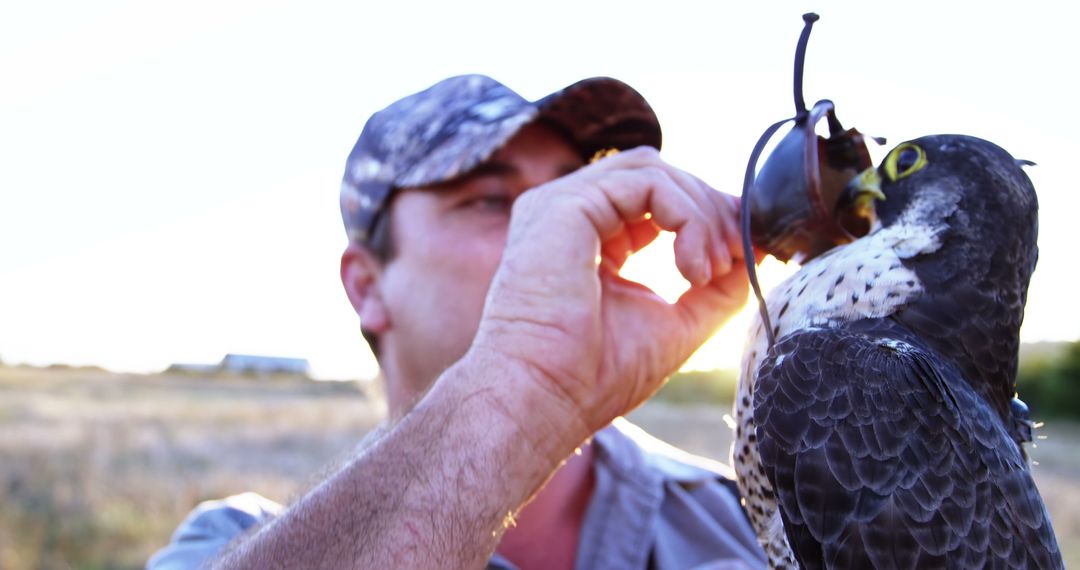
[(97, 469)]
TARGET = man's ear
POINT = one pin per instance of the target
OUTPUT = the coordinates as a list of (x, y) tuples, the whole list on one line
[(360, 273)]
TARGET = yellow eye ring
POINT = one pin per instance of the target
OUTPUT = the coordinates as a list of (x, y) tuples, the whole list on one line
[(904, 160)]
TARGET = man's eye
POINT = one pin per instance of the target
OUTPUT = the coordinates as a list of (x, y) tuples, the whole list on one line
[(495, 203)]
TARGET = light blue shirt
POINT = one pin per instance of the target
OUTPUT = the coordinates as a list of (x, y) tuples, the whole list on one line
[(653, 506)]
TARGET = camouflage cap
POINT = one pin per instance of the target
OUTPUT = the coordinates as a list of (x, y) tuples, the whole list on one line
[(445, 131)]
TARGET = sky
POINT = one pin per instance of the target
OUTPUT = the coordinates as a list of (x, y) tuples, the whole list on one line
[(169, 172)]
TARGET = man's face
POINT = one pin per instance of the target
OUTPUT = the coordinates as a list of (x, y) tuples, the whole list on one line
[(448, 242)]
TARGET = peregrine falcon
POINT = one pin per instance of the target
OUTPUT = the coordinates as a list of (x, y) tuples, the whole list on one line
[(880, 429)]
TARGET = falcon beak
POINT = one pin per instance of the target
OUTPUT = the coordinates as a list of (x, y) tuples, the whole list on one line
[(855, 205), (865, 187)]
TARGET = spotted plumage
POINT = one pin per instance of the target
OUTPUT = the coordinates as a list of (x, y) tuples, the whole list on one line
[(878, 430)]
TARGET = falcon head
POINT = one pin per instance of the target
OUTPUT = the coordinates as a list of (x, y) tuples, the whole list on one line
[(964, 217), (947, 182)]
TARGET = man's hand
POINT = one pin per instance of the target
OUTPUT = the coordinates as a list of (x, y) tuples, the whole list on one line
[(595, 344), (564, 346)]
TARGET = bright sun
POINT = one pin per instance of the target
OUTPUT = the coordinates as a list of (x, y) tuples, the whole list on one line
[(654, 267)]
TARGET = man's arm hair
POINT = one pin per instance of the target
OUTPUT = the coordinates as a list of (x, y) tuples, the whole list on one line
[(437, 490), (563, 347)]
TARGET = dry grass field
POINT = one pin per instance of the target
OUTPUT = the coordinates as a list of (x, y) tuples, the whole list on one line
[(97, 469)]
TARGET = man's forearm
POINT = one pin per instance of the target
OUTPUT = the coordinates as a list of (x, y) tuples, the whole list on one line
[(436, 491)]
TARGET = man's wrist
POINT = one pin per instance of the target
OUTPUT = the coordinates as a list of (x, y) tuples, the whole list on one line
[(472, 451), (524, 401)]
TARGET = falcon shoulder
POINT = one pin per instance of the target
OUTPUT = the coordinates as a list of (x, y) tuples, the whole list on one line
[(881, 455)]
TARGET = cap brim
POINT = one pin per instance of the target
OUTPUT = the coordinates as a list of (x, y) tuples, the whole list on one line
[(601, 113)]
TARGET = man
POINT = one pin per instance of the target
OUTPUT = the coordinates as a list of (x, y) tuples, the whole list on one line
[(483, 259)]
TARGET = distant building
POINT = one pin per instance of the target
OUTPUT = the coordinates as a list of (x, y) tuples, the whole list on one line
[(247, 364), (250, 363)]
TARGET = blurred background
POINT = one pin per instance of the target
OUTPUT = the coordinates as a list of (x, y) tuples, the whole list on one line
[(168, 196)]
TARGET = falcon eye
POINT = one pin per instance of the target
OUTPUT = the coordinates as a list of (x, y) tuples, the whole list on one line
[(904, 160), (908, 157)]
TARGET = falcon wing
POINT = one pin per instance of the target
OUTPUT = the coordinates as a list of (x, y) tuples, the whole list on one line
[(882, 456)]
